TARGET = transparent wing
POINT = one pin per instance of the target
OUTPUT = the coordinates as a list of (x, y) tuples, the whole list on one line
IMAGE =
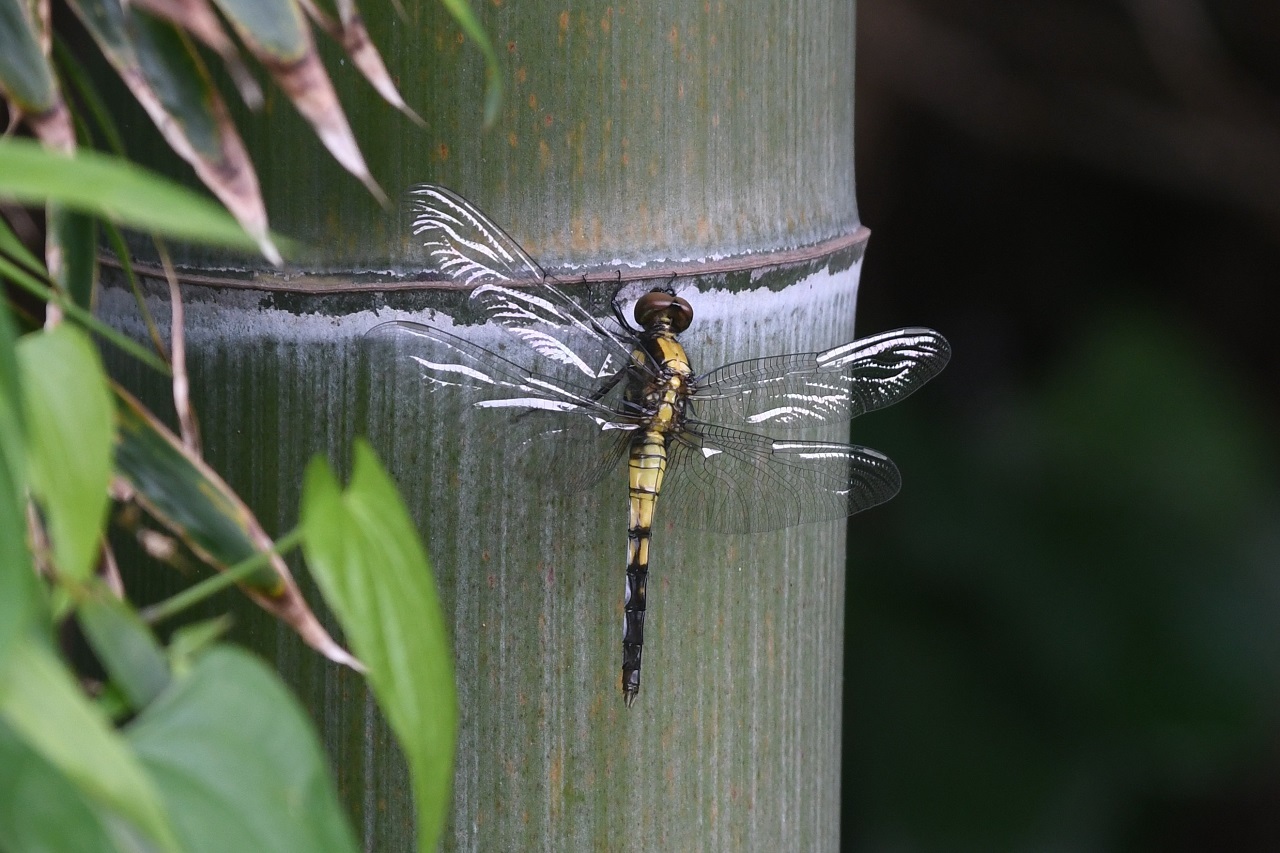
[(580, 432), (513, 291), (728, 481), (445, 361), (464, 245), (577, 450), (805, 389)]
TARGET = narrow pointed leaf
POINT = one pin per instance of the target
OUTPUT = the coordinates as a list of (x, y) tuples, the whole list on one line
[(461, 11), (278, 35), (170, 82), (117, 190), (350, 32), (26, 79), (77, 240), (124, 645), (185, 495), (43, 706), (19, 591), (11, 246), (363, 550), (237, 762), (68, 416), (198, 18)]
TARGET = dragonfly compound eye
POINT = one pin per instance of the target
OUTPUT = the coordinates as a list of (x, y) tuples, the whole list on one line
[(655, 303)]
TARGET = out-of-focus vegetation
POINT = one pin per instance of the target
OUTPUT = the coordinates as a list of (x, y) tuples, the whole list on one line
[(1065, 632)]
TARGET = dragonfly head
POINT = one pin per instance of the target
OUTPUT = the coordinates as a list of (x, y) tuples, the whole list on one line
[(659, 307)]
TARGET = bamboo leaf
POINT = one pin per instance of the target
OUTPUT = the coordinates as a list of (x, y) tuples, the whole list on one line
[(350, 32), (170, 82), (185, 495), (19, 591), (43, 705), (76, 236), (77, 80), (26, 79), (363, 550), (13, 247), (198, 18), (117, 190), (461, 11), (238, 763), (276, 33), (68, 417)]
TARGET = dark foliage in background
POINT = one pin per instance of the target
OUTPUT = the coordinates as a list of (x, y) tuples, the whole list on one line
[(1063, 634)]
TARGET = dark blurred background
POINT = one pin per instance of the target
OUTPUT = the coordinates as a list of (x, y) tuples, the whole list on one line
[(1064, 634)]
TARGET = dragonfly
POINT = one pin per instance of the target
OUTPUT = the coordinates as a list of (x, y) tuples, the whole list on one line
[(601, 394)]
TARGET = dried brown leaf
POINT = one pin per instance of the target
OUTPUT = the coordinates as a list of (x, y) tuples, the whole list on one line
[(198, 18)]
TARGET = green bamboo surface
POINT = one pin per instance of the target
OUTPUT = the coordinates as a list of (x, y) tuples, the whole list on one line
[(650, 135), (632, 132)]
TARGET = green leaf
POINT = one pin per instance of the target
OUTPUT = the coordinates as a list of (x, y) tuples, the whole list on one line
[(117, 190), (68, 413), (77, 238), (40, 810), (188, 497), (363, 550), (461, 11), (44, 707), (275, 27), (10, 245), (184, 495), (123, 644), (164, 72), (237, 762), (25, 75), (78, 81), (187, 643), (19, 590)]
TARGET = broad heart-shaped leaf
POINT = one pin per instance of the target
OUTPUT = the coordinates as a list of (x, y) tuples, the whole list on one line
[(116, 190), (189, 498), (123, 643), (68, 414), (363, 550), (19, 590), (41, 810), (237, 762), (43, 706)]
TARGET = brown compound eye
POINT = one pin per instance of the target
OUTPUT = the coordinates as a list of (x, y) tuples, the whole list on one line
[(655, 303)]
